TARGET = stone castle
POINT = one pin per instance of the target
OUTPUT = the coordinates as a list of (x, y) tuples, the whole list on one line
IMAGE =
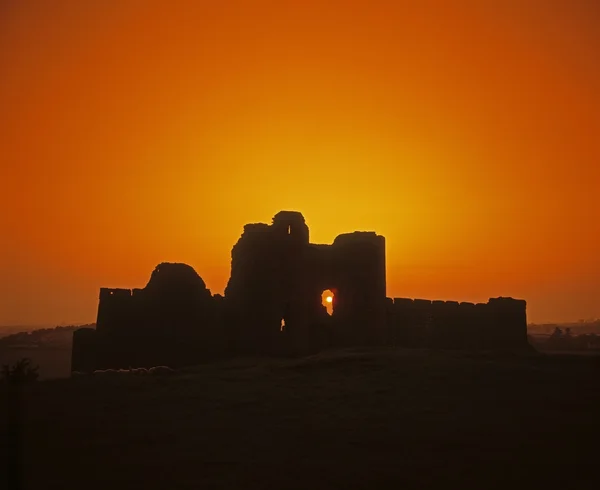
[(273, 306)]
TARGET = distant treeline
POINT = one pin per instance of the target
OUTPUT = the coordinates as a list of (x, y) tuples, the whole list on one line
[(565, 340), (57, 337), (576, 328)]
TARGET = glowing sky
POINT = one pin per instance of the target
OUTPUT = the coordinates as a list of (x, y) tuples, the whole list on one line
[(136, 132)]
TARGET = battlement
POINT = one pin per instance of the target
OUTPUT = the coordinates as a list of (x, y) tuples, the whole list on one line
[(499, 323), (508, 302), (496, 301)]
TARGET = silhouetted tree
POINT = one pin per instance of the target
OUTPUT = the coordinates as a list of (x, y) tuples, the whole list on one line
[(20, 372)]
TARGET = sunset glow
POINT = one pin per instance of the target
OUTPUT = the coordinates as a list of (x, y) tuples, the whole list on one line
[(327, 300), (467, 133)]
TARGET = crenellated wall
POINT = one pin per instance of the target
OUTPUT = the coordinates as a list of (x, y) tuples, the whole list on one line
[(499, 323)]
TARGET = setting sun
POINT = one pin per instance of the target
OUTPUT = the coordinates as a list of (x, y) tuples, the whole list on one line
[(327, 300)]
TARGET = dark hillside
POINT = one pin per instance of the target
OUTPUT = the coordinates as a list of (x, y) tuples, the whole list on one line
[(347, 419)]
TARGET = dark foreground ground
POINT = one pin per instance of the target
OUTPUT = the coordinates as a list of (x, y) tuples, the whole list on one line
[(349, 419)]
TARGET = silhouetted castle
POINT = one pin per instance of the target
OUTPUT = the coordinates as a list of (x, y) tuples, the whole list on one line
[(273, 305)]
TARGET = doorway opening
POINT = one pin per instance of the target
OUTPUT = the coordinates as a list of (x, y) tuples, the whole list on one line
[(327, 300)]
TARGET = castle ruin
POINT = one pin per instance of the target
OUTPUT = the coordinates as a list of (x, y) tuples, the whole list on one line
[(273, 306)]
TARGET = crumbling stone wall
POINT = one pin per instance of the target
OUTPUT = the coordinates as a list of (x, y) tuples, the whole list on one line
[(273, 305), (170, 321)]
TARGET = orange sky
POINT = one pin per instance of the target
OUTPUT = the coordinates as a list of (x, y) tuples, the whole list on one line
[(135, 132)]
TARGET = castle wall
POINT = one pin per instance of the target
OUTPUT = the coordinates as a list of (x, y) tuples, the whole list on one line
[(170, 321), (272, 305), (500, 323), (115, 309)]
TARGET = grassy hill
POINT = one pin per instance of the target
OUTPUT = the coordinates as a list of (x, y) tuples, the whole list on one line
[(344, 419)]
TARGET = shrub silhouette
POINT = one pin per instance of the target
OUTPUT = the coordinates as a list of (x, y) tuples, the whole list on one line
[(20, 372)]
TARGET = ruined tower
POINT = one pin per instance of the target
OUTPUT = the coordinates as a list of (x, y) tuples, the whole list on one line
[(278, 277)]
